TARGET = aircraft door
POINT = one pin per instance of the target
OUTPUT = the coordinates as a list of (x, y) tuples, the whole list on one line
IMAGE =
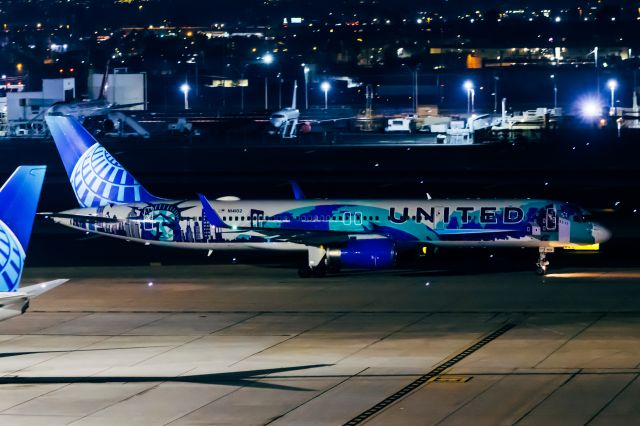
[(257, 218), (147, 216), (551, 219), (357, 218), (347, 218)]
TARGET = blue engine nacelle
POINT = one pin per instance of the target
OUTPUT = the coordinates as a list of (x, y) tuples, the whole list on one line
[(371, 253)]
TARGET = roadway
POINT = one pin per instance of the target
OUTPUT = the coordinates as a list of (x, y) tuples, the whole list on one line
[(238, 344)]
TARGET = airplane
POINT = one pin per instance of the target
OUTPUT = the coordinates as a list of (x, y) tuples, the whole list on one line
[(287, 120), (333, 233), (288, 114), (100, 106), (18, 202)]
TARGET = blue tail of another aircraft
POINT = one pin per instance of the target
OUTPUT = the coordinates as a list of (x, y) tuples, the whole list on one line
[(18, 203), (96, 177)]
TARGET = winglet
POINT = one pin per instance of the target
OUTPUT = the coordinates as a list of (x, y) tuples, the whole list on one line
[(212, 215), (297, 191)]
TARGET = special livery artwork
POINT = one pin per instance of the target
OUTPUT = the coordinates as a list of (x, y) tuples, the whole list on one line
[(364, 232), (509, 222)]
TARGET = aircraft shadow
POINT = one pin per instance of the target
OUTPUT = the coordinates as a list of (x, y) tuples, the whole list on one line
[(13, 354), (247, 378)]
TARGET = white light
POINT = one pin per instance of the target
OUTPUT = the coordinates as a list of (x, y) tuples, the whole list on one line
[(325, 86), (150, 284), (185, 88), (591, 108), (468, 85), (558, 19), (306, 70), (268, 58), (612, 84)]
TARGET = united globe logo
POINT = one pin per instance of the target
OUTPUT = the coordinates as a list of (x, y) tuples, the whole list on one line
[(98, 180), (11, 259)]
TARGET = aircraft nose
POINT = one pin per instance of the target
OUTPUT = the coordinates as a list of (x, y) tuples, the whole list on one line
[(601, 234)]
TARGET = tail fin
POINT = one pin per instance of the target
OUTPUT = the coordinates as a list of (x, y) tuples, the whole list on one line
[(96, 177), (105, 81), (18, 203)]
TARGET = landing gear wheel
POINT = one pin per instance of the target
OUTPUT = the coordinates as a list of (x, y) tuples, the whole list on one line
[(543, 264), (304, 272)]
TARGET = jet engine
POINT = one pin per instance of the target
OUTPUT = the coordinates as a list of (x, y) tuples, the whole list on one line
[(371, 253)]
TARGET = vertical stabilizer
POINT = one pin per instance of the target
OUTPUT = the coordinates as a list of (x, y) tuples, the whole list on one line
[(96, 177), (105, 81), (18, 203)]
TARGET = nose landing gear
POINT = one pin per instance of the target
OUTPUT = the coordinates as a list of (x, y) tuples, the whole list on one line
[(543, 264)]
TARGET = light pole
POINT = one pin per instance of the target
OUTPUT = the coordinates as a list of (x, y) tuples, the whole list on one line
[(185, 89), (306, 87), (555, 91), (468, 86), (325, 86), (495, 93), (267, 60), (612, 85)]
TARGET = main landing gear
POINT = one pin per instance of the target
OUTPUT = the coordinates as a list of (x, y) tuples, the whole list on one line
[(317, 266), (543, 264)]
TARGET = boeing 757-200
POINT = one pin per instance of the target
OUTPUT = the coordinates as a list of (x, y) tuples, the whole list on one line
[(347, 233)]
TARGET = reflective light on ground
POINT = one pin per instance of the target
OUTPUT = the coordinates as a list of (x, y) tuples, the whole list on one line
[(599, 275)]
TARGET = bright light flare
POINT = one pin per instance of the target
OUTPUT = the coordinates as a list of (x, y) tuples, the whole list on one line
[(612, 84), (185, 88), (468, 85), (591, 108), (325, 86), (267, 59)]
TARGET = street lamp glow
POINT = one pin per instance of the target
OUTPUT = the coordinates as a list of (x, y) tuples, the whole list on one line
[(612, 85), (468, 86), (267, 59), (185, 89), (325, 86)]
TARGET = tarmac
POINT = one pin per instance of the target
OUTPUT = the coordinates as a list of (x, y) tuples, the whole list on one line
[(255, 345)]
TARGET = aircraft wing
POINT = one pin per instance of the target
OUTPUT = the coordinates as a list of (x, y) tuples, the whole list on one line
[(80, 218)]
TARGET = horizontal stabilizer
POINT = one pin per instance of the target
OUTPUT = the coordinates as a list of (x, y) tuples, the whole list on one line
[(38, 289), (80, 218)]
